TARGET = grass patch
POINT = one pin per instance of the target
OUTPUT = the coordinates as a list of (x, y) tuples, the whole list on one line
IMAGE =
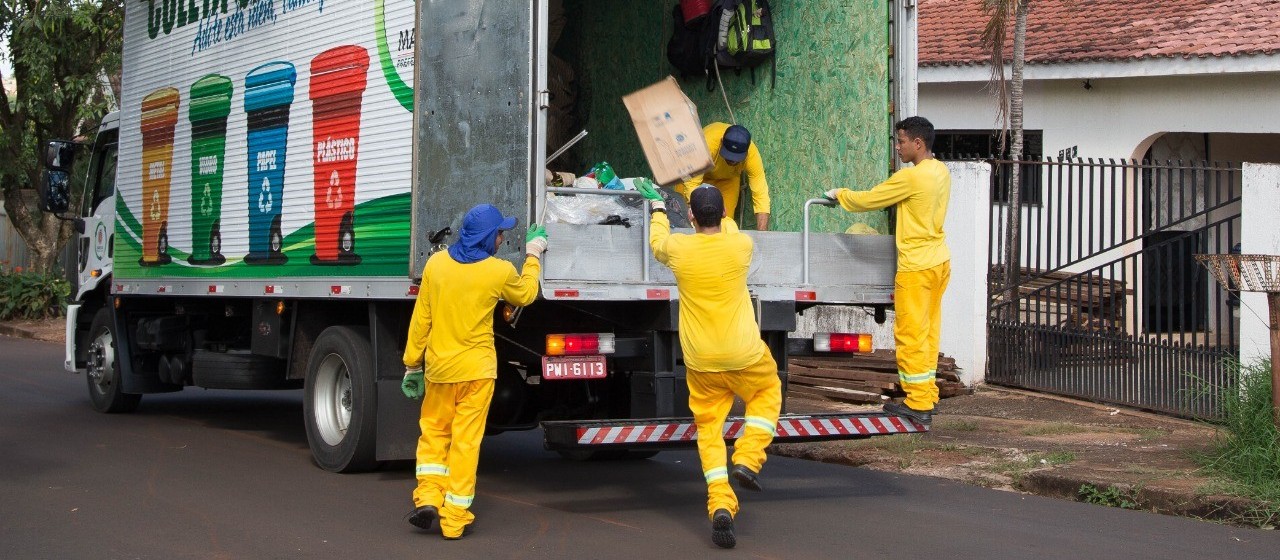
[(1054, 429), (1246, 453), (1147, 435), (957, 425), (1112, 496), (1018, 468)]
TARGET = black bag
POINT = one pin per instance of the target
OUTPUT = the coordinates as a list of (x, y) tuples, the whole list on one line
[(691, 50)]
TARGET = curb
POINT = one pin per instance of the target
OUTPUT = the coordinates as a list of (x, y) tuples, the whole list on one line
[(16, 332), (1224, 509)]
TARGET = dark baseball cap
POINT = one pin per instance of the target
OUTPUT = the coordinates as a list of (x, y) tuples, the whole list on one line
[(733, 147), (707, 205)]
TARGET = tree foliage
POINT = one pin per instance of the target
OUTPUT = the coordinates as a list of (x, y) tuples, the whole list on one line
[(64, 55)]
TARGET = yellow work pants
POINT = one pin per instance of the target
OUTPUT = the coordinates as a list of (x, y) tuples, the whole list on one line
[(452, 423), (917, 300), (710, 398)]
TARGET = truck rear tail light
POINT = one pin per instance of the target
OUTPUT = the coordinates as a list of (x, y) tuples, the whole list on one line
[(848, 343), (580, 344)]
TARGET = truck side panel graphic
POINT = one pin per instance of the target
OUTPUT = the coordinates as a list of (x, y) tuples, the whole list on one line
[(286, 153)]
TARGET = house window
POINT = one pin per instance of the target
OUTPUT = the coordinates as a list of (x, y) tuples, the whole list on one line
[(954, 145)]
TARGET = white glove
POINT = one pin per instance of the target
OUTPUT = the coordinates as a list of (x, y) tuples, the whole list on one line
[(832, 194), (535, 247)]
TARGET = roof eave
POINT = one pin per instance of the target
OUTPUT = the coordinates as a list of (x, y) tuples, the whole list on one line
[(1092, 70)]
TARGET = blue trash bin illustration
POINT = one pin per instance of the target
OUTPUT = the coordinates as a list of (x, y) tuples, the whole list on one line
[(268, 95)]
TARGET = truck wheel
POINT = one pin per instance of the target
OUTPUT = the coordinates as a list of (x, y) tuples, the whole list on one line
[(103, 372), (347, 234), (162, 240), (215, 240), (275, 240), (340, 403)]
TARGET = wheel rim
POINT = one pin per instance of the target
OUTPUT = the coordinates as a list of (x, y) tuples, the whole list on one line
[(102, 359), (331, 399)]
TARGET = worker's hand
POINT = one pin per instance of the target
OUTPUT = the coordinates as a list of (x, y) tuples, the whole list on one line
[(833, 194), (413, 385), (535, 242), (649, 191)]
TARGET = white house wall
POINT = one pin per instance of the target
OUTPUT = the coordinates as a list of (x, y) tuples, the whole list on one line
[(1117, 117)]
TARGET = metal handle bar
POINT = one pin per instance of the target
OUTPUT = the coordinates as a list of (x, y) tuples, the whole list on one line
[(824, 201)]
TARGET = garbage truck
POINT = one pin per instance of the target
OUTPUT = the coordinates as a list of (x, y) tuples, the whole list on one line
[(257, 213)]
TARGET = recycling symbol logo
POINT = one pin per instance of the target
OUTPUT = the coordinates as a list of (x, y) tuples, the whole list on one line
[(155, 206), (265, 202), (334, 199), (206, 203)]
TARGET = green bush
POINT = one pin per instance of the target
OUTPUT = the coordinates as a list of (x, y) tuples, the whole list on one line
[(1246, 454), (26, 295)]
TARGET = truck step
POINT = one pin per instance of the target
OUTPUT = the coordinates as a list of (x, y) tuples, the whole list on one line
[(682, 432)]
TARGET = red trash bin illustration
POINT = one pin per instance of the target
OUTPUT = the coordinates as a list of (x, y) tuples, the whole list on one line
[(338, 78), (159, 116)]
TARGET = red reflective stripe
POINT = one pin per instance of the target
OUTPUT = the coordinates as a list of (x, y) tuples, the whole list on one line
[(644, 434), (897, 423), (879, 425), (668, 431)]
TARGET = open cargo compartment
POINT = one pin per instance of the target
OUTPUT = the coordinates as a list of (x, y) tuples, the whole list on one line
[(486, 94)]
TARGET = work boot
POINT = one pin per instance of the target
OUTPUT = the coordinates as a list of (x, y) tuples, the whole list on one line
[(722, 529), (424, 517), (923, 417), (747, 479)]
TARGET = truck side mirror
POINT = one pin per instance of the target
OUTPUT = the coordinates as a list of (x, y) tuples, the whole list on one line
[(59, 155), (55, 191)]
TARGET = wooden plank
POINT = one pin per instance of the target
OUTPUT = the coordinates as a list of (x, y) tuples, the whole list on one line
[(828, 382)]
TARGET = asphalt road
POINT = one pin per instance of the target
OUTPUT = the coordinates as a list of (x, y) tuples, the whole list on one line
[(223, 474)]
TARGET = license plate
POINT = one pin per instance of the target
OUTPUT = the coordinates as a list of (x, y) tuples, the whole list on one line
[(573, 367)]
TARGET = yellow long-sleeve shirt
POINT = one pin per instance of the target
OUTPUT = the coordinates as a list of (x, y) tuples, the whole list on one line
[(452, 324), (921, 193), (727, 177), (718, 330)]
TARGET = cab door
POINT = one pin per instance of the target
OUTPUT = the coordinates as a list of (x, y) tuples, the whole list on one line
[(99, 214)]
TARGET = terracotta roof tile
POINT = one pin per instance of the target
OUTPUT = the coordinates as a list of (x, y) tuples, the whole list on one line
[(1106, 30)]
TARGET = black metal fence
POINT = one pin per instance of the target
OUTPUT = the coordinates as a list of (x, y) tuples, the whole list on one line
[(1108, 303)]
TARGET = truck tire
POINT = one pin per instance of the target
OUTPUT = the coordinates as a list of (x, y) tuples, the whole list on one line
[(236, 369), (103, 371), (340, 402)]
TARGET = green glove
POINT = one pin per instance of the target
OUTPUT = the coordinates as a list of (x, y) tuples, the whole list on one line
[(535, 242), (413, 385), (647, 189)]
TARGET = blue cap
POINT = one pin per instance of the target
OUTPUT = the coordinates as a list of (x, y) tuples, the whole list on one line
[(484, 218), (733, 147)]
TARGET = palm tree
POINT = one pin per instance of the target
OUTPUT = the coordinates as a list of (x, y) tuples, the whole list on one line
[(1008, 93)]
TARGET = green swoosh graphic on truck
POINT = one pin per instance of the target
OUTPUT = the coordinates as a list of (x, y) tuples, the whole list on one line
[(402, 91)]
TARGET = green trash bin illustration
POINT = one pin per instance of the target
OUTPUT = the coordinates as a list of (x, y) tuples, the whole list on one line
[(210, 105)]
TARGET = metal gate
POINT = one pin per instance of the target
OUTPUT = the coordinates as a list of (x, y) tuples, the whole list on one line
[(1107, 303)]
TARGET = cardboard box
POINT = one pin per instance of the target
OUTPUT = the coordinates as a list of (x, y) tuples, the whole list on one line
[(670, 133)]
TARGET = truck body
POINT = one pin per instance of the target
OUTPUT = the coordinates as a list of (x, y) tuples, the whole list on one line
[(258, 213)]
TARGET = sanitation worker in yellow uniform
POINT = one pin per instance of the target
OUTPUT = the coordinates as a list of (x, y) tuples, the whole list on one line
[(924, 262), (723, 351), (733, 153), (452, 329)]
